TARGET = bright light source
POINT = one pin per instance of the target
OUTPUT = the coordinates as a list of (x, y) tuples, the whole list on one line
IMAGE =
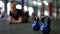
[(46, 13), (39, 3), (2, 6), (46, 3), (34, 2), (8, 8), (30, 9), (38, 13), (25, 8), (18, 6)]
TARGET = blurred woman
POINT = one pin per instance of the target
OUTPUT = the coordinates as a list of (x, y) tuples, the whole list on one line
[(16, 16)]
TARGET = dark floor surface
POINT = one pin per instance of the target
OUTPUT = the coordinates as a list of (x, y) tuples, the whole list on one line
[(25, 28)]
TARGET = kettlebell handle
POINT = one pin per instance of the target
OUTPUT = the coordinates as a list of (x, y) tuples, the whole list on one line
[(48, 20)]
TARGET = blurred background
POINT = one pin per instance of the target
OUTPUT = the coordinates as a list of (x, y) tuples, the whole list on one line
[(37, 7), (32, 7)]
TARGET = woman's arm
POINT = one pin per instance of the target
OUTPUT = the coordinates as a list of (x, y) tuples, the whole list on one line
[(20, 20), (10, 20)]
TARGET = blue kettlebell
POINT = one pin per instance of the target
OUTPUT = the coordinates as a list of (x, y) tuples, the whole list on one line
[(45, 27), (35, 25)]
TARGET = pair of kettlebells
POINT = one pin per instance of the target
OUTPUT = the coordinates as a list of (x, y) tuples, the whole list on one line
[(44, 28)]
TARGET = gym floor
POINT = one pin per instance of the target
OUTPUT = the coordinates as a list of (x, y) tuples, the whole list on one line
[(25, 28)]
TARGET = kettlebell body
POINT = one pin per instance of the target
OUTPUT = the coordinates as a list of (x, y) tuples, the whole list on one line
[(35, 26), (45, 28)]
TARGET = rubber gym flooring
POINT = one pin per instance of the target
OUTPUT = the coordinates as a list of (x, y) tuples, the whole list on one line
[(25, 28)]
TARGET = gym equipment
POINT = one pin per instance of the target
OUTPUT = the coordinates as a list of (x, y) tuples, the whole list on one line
[(45, 27), (35, 25)]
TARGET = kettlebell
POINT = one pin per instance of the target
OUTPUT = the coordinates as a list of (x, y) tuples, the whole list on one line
[(45, 27), (35, 25)]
